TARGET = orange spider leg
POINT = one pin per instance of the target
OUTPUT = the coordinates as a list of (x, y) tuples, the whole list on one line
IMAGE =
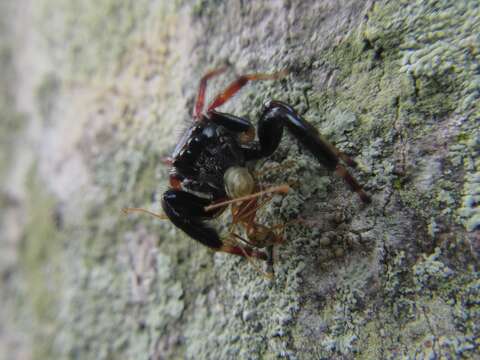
[(340, 170), (202, 89), (240, 82)]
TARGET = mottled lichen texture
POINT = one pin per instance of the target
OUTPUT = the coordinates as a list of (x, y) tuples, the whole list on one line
[(95, 93)]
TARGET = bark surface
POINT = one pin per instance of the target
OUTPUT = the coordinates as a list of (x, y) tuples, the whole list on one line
[(94, 94)]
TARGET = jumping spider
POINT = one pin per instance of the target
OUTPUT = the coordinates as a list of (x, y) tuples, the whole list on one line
[(209, 170)]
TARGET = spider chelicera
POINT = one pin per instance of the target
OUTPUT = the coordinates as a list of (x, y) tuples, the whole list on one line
[(209, 170)]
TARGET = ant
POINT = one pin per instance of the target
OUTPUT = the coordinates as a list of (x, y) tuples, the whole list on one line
[(209, 170)]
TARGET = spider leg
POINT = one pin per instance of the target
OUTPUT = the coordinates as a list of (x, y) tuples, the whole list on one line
[(278, 115), (202, 89), (354, 185), (237, 84), (236, 124), (231, 122), (187, 212)]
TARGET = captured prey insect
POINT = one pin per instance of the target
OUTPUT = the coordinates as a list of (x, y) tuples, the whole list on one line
[(209, 170)]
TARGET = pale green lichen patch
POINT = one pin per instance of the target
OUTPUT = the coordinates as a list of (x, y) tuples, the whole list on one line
[(442, 61), (392, 279), (418, 78), (430, 271), (88, 37), (47, 93), (470, 209), (406, 113), (11, 121), (40, 262)]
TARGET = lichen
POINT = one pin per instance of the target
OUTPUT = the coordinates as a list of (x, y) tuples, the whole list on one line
[(398, 90), (39, 261), (12, 121)]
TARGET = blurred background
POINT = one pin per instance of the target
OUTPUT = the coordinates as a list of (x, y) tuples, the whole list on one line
[(93, 94)]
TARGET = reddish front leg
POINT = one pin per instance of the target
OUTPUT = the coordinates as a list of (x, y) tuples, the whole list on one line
[(240, 82), (202, 88)]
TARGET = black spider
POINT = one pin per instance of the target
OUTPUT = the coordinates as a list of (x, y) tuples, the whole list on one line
[(209, 168)]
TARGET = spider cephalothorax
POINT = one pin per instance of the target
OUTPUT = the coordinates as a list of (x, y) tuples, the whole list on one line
[(203, 157), (209, 169)]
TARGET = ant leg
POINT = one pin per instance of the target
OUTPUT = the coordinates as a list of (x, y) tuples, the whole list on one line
[(275, 117), (240, 82), (270, 261), (202, 89), (283, 189), (269, 274), (244, 215), (166, 160), (241, 251), (246, 211), (126, 211), (187, 212)]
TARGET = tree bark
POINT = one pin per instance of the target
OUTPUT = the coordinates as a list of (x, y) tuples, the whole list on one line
[(95, 94)]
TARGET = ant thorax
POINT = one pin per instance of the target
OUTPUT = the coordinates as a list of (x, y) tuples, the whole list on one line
[(238, 182)]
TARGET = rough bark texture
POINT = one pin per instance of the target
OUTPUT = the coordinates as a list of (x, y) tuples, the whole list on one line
[(93, 94)]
